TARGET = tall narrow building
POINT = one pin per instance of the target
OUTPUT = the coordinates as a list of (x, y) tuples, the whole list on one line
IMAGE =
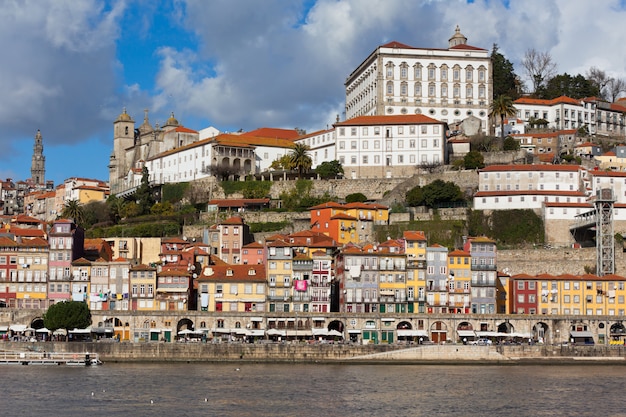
[(38, 165)]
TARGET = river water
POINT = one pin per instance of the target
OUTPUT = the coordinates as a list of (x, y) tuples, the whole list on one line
[(246, 389)]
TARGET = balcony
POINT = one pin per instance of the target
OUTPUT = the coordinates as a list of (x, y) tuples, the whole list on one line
[(478, 267)]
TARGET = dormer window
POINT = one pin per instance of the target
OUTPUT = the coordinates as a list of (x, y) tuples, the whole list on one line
[(252, 271), (229, 272)]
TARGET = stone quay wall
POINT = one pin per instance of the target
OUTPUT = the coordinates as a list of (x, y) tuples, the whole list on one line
[(555, 261), (329, 353)]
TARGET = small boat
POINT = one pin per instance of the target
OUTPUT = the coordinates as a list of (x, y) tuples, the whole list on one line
[(49, 358)]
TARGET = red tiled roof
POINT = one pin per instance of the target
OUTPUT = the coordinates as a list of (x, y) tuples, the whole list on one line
[(272, 132), (240, 273), (408, 119)]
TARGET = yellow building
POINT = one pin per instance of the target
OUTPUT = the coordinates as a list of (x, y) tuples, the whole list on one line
[(279, 269), (571, 295), (415, 249), (237, 288), (460, 277), (32, 273), (143, 282)]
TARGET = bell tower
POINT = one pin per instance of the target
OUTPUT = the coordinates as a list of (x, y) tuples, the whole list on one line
[(38, 164), (123, 139)]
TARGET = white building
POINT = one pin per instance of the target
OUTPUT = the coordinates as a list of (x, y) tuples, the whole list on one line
[(321, 145), (561, 113), (508, 187), (449, 85), (389, 146)]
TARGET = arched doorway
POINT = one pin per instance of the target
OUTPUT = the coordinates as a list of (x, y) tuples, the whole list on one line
[(465, 332), (335, 329), (439, 332), (540, 332), (617, 332)]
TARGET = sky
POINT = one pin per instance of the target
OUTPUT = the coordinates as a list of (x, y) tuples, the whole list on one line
[(70, 67)]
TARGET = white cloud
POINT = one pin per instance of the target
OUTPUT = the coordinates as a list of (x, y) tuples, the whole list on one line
[(271, 63)]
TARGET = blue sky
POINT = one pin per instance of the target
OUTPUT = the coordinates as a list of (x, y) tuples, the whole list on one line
[(71, 66)]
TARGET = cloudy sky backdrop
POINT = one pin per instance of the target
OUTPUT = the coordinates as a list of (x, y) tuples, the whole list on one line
[(69, 67)]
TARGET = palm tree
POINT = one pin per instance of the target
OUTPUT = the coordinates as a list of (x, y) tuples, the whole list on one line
[(73, 210), (502, 106), (299, 158)]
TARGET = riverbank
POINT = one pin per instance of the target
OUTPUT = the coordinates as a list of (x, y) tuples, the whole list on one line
[(332, 353)]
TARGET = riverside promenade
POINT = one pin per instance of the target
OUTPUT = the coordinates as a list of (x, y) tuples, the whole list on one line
[(331, 353)]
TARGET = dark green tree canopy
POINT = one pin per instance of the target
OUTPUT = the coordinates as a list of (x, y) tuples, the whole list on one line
[(436, 193), (356, 198), (505, 81), (566, 85), (73, 210), (510, 144), (143, 195), (67, 315), (328, 169), (299, 158), (474, 160)]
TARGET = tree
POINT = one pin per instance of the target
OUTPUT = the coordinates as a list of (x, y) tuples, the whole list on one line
[(284, 162), (143, 195), (67, 315), (502, 106), (73, 210), (356, 198), (510, 144), (300, 159), (415, 197), (539, 67), (566, 85), (505, 81), (441, 192), (329, 169), (600, 80), (616, 87), (474, 160)]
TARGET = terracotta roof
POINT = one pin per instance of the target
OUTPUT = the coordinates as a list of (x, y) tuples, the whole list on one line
[(235, 220), (272, 132), (342, 216), (543, 102), (239, 273), (396, 45), (459, 252), (408, 119), (413, 235)]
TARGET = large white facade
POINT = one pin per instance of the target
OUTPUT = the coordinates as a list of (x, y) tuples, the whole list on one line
[(389, 146), (507, 187), (449, 85), (561, 113)]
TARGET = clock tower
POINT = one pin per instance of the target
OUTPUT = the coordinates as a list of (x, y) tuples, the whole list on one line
[(38, 165)]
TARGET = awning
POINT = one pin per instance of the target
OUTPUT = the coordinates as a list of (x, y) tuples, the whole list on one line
[(276, 332), (387, 320), (320, 332), (17, 327), (335, 333), (81, 331), (256, 318), (156, 331), (256, 332), (354, 331), (221, 330), (319, 319), (4, 328), (466, 333), (584, 334), (299, 333), (102, 330), (411, 333)]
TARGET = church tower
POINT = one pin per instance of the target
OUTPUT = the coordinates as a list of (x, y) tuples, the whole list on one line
[(38, 165), (123, 142)]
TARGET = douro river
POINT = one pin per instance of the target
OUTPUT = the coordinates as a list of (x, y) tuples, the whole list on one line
[(247, 389)]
